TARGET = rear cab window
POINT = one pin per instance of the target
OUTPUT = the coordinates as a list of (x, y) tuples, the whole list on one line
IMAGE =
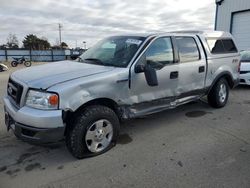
[(221, 46)]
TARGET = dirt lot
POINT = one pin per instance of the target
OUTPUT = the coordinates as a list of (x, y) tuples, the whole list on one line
[(191, 146)]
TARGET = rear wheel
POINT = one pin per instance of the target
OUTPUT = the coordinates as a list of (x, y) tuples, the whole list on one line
[(94, 131), (14, 63), (219, 94), (27, 63)]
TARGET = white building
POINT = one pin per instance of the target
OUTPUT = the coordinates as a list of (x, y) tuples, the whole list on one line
[(234, 16)]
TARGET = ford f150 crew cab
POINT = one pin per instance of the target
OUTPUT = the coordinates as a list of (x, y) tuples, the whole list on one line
[(120, 77)]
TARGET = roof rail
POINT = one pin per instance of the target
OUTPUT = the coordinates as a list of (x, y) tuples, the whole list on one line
[(188, 31)]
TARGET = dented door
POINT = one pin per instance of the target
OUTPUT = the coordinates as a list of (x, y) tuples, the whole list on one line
[(192, 67), (160, 56)]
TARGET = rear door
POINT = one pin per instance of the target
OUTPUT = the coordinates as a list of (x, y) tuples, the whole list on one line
[(192, 67)]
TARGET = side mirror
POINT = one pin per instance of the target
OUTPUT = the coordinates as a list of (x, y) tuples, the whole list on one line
[(141, 64), (139, 68), (150, 75), (149, 71)]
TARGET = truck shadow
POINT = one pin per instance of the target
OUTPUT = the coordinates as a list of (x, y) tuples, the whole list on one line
[(242, 87), (17, 157), (146, 123)]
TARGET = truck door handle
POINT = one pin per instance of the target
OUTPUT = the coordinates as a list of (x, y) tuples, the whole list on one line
[(201, 69), (174, 75)]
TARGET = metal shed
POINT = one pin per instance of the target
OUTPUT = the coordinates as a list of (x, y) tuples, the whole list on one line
[(234, 16)]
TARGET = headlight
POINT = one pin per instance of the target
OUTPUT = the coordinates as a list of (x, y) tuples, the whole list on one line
[(42, 100)]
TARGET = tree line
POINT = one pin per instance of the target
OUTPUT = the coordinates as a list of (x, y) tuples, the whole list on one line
[(32, 42)]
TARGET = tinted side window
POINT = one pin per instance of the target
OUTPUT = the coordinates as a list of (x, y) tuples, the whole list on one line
[(160, 52), (218, 46), (188, 50), (215, 46), (229, 45)]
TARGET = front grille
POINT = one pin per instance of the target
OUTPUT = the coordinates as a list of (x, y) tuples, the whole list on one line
[(15, 91), (244, 72)]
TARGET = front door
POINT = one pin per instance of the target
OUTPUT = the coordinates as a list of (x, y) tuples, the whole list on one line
[(160, 56)]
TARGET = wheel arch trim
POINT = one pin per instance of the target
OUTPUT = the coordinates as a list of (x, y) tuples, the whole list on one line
[(69, 114), (227, 75)]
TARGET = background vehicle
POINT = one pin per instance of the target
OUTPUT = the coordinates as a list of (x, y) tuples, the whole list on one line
[(21, 60), (3, 67), (245, 68), (75, 53), (121, 77)]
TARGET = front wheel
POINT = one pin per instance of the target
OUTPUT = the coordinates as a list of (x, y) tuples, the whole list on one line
[(14, 63), (219, 94), (27, 63), (93, 132)]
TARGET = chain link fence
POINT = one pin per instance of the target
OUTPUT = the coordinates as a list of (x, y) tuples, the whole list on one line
[(34, 55)]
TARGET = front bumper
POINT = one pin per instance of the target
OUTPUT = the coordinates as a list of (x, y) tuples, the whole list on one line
[(33, 125), (245, 79)]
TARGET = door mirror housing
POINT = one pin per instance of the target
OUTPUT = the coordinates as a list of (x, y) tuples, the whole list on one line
[(139, 68), (149, 71), (150, 75)]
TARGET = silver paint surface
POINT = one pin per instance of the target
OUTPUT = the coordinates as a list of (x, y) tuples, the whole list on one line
[(78, 83)]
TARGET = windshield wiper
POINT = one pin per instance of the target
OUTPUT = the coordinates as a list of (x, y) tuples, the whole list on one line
[(97, 61)]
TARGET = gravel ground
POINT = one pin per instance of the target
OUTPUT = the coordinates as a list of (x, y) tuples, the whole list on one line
[(191, 146)]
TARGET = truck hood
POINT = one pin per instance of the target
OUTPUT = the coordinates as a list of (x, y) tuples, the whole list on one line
[(45, 76)]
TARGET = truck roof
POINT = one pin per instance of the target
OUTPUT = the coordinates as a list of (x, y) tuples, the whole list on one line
[(205, 33)]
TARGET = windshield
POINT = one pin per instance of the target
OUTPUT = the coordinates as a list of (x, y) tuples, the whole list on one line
[(245, 56), (113, 51)]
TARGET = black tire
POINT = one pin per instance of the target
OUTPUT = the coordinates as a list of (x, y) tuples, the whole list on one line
[(14, 63), (27, 63), (76, 134), (215, 98)]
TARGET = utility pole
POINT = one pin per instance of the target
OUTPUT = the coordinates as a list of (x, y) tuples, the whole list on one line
[(60, 34), (84, 43)]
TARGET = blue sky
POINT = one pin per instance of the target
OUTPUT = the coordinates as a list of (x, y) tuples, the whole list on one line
[(86, 20)]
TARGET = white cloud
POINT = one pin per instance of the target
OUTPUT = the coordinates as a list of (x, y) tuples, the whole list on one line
[(86, 20)]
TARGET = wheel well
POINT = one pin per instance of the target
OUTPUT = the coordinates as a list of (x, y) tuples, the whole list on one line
[(101, 101), (229, 80), (68, 116)]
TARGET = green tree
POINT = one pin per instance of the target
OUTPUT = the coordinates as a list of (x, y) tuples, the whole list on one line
[(44, 44), (64, 45), (33, 42)]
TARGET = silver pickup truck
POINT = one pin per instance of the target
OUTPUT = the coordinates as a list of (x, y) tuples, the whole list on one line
[(121, 77)]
